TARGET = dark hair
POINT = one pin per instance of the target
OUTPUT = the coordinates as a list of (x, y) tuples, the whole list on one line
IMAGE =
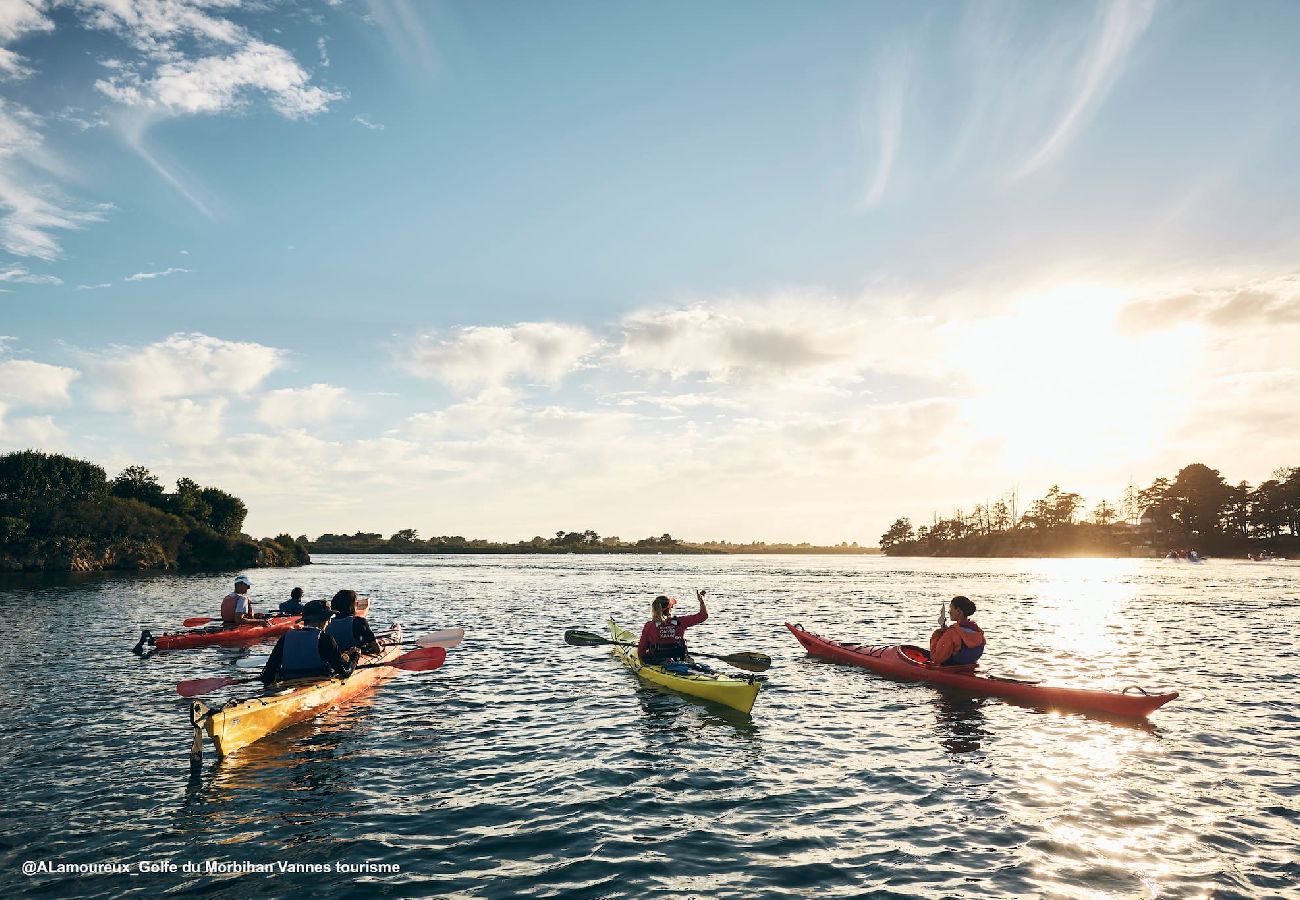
[(661, 602), (345, 603), (315, 611), (965, 604), (296, 593)]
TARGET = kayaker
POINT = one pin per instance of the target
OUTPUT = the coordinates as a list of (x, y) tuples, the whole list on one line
[(663, 638), (293, 606), (962, 642), (237, 608), (349, 630), (307, 652)]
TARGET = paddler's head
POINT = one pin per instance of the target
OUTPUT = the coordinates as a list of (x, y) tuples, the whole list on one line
[(243, 584), (316, 613), (345, 603), (961, 609), (662, 607)]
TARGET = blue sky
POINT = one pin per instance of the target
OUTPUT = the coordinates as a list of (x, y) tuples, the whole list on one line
[(730, 270)]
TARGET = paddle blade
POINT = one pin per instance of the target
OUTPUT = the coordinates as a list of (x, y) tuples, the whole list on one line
[(579, 638), (426, 659), (195, 621), (196, 686), (447, 638), (750, 662)]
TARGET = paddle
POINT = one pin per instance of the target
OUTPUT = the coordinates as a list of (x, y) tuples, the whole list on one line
[(425, 659), (447, 638), (750, 662), (195, 621)]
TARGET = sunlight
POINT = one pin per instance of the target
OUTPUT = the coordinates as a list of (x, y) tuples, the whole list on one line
[(1057, 375), (1078, 600)]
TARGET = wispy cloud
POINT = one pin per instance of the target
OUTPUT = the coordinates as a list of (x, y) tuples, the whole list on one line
[(404, 29), (324, 54), (20, 275), (1120, 24), (17, 18), (32, 209), (883, 118), (365, 122), (95, 287), (146, 276)]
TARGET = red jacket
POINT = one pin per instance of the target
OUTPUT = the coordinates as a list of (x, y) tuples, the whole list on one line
[(666, 633)]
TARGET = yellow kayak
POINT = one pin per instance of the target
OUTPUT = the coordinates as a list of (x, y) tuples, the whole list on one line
[(738, 693), (239, 723)]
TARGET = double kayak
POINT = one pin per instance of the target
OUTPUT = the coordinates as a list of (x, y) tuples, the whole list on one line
[(239, 723), (737, 693), (911, 664), (207, 637)]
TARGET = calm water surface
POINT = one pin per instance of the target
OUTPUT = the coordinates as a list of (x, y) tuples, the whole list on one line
[(526, 767)]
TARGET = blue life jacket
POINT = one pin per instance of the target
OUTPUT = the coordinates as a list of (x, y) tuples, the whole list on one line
[(966, 656), (342, 632), (301, 656)]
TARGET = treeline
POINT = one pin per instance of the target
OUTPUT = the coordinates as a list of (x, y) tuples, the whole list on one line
[(1195, 510), (63, 514), (408, 541)]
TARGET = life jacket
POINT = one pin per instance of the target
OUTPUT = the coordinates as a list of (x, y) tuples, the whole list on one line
[(342, 632), (228, 613), (667, 643), (972, 645), (301, 655)]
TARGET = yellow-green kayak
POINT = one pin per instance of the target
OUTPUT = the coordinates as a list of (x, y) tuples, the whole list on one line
[(738, 693)]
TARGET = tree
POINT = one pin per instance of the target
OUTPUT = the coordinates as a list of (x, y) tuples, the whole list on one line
[(1104, 513), (1056, 508), (1200, 498), (187, 501), (899, 533), (225, 512), (138, 483), (30, 480)]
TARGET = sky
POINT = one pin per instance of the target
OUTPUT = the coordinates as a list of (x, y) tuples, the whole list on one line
[(729, 270)]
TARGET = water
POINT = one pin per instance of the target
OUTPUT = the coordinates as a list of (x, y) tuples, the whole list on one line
[(526, 767)]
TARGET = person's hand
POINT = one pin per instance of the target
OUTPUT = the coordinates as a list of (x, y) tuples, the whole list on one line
[(699, 595)]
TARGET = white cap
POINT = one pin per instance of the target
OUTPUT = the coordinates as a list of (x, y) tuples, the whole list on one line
[(243, 579)]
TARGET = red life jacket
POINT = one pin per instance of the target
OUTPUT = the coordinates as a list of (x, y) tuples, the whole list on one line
[(228, 613), (667, 641)]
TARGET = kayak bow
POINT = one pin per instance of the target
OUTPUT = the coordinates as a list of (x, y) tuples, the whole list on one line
[(910, 664), (205, 637)]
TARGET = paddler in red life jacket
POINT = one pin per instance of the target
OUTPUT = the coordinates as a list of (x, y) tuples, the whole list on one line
[(962, 642), (663, 638), (350, 631), (307, 652), (237, 608)]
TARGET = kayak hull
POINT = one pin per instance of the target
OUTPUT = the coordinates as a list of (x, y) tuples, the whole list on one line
[(239, 723), (906, 663), (248, 634), (737, 693)]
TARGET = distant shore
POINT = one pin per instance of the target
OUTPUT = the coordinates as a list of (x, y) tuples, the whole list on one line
[(407, 543)]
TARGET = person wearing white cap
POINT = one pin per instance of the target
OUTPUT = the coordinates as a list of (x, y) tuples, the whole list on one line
[(237, 609)]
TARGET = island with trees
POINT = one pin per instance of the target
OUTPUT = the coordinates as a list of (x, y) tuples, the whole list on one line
[(1195, 510), (408, 541), (63, 514)]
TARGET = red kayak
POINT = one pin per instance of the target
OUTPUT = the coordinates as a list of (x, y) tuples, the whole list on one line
[(911, 664), (204, 637)]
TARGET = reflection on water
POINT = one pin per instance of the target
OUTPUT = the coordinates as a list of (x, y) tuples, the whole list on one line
[(959, 718), (528, 768)]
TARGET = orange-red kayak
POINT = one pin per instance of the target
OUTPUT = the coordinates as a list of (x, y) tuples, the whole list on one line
[(203, 637), (910, 664)]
